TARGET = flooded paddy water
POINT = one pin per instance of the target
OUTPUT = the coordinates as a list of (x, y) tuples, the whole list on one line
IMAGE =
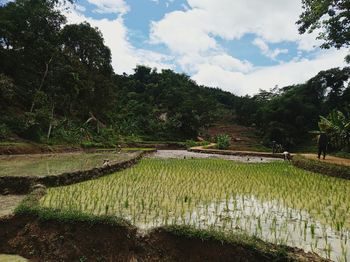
[(54, 164), (266, 198), (8, 204), (184, 154)]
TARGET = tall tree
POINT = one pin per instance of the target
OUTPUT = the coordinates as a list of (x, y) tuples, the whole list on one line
[(86, 44), (331, 16), (29, 42), (90, 67)]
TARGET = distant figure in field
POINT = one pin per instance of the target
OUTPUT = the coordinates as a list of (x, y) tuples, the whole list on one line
[(322, 143), (286, 156), (105, 163), (273, 147), (118, 148)]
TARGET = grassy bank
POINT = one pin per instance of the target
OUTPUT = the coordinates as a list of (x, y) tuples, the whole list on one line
[(171, 243), (321, 167)]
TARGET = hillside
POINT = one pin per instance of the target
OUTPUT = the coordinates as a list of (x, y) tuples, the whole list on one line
[(57, 86)]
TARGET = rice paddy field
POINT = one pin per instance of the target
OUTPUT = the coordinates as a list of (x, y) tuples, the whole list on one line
[(55, 164), (274, 201)]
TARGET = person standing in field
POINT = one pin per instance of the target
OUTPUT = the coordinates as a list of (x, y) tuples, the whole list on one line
[(322, 143)]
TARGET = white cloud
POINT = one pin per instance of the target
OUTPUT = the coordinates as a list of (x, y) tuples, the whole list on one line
[(193, 63), (167, 2), (263, 46), (190, 36), (110, 6), (80, 8), (195, 29), (125, 57), (265, 78), (182, 33)]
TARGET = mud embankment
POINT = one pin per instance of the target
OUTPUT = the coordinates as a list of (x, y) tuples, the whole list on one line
[(210, 150), (40, 240)]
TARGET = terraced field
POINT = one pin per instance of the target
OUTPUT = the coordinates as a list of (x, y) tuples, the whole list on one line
[(54, 164), (273, 201)]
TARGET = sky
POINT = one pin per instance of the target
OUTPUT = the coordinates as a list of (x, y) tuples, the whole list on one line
[(239, 46)]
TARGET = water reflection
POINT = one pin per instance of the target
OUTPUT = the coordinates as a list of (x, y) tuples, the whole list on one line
[(270, 221)]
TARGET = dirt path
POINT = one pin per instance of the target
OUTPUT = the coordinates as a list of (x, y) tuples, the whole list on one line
[(330, 159), (12, 258), (8, 204), (183, 154)]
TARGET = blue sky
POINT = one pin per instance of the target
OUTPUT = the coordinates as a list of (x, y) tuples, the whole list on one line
[(238, 45)]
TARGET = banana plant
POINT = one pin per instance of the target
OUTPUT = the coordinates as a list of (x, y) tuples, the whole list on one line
[(337, 127)]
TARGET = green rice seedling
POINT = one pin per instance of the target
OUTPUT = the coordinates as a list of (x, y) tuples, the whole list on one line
[(275, 201)]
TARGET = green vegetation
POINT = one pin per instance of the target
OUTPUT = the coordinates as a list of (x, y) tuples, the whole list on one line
[(224, 237), (192, 143), (74, 97), (322, 167), (133, 149), (223, 141), (332, 17), (91, 144), (342, 154), (30, 206), (275, 201), (337, 127), (287, 114), (55, 164), (57, 86)]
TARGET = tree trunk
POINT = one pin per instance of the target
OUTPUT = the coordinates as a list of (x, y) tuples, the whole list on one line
[(42, 81), (51, 120)]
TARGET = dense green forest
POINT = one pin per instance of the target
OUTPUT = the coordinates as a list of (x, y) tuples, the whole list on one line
[(57, 85)]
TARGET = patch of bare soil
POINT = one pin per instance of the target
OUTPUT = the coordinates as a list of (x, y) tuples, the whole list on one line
[(242, 138), (55, 241), (330, 159), (232, 130), (40, 240)]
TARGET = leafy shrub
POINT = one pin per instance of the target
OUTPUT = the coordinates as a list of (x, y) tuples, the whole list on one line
[(343, 154), (91, 144), (7, 89), (192, 143), (4, 131), (223, 141), (107, 136), (69, 132), (337, 127)]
